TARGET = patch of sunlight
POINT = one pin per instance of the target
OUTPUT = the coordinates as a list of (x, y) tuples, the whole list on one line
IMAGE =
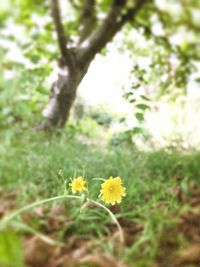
[(105, 80), (166, 122)]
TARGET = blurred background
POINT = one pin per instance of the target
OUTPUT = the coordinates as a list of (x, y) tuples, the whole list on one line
[(135, 115), (158, 59)]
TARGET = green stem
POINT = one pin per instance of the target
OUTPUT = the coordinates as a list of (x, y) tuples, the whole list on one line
[(41, 202), (35, 204), (46, 239), (121, 234)]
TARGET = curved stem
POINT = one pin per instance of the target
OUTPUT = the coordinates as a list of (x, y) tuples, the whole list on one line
[(43, 237), (113, 217), (40, 202), (5, 220)]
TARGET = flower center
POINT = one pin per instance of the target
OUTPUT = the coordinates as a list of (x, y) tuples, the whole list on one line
[(111, 188), (78, 184)]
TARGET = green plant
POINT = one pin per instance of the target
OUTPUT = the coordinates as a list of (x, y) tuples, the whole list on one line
[(112, 192)]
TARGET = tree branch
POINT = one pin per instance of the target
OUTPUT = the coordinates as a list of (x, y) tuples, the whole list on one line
[(87, 19), (103, 34), (74, 4), (62, 39), (109, 27)]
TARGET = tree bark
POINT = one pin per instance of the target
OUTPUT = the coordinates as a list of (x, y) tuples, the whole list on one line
[(63, 94)]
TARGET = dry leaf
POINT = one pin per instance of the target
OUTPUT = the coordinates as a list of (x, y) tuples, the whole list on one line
[(38, 252), (190, 254), (102, 261)]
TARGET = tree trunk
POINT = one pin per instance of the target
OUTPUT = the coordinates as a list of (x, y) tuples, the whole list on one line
[(63, 94), (76, 60)]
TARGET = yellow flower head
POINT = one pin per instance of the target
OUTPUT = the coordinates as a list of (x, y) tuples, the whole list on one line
[(112, 190), (78, 185)]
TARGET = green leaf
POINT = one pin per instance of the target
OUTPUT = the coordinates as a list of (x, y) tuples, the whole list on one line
[(137, 130), (128, 94), (197, 79), (145, 98), (123, 119), (139, 116), (132, 100), (42, 90), (135, 86), (142, 106), (10, 250)]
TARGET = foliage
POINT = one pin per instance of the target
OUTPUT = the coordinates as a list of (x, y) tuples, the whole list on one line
[(26, 60), (167, 47), (134, 123), (101, 115), (23, 84), (24, 97), (135, 95)]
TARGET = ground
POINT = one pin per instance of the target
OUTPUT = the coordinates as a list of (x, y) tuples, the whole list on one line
[(160, 216)]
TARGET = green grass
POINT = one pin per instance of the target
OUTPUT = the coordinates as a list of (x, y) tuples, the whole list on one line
[(30, 163)]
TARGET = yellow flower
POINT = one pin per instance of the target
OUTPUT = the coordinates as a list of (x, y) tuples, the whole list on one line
[(78, 185), (112, 190)]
